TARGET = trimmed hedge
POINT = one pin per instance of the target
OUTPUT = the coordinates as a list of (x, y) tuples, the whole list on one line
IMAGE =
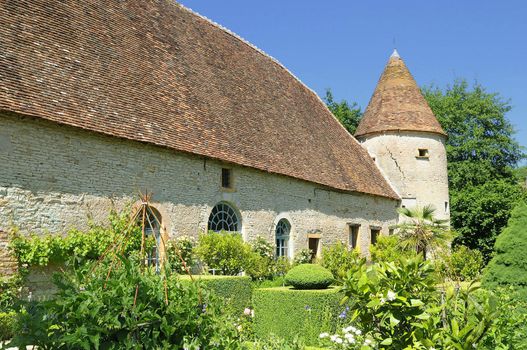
[(309, 276), (7, 325), (288, 312), (236, 291)]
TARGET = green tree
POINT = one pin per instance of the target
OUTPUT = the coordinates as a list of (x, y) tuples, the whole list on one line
[(348, 115), (481, 140), (482, 153), (421, 231), (509, 266)]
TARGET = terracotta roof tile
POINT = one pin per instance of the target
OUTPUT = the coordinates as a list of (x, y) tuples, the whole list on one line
[(397, 104), (156, 72)]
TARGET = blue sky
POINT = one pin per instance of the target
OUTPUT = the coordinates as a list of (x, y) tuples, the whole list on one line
[(344, 44)]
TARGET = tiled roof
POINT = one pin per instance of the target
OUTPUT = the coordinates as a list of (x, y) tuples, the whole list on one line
[(156, 72), (397, 104)]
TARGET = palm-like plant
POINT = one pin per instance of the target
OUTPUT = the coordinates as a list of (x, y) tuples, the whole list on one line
[(421, 230)]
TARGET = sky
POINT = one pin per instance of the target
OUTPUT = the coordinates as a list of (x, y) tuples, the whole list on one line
[(344, 44)]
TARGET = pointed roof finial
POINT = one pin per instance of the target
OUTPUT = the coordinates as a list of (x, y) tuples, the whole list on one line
[(395, 54)]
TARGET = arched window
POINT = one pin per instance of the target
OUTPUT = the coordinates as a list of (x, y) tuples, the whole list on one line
[(152, 226), (224, 218), (283, 229)]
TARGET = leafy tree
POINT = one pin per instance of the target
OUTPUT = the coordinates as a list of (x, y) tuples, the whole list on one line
[(348, 115), (421, 231), (481, 152), (509, 266), (481, 212), (480, 138)]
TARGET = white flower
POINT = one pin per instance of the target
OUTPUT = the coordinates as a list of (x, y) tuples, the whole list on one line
[(367, 342), (350, 338), (323, 335), (239, 328), (252, 313), (383, 301), (358, 332), (348, 329), (338, 340), (247, 311), (391, 295), (333, 337)]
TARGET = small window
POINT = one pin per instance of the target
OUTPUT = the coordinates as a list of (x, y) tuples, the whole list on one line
[(446, 207), (226, 178), (353, 235), (390, 232), (375, 231), (423, 153)]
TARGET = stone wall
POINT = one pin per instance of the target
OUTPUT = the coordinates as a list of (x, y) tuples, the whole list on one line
[(54, 177), (8, 265), (412, 176)]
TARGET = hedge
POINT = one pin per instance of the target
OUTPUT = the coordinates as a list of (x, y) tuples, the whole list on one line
[(289, 312), (236, 291)]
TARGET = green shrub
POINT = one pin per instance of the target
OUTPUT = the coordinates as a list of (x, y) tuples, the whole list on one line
[(303, 256), (40, 250), (261, 263), (463, 264), (509, 266), (339, 259), (178, 249), (388, 249), (235, 291), (134, 308), (7, 325), (309, 276), (224, 252), (290, 313)]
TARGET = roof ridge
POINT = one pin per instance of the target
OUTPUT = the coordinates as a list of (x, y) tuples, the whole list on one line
[(262, 52)]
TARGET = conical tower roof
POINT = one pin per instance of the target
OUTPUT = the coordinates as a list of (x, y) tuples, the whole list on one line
[(398, 104)]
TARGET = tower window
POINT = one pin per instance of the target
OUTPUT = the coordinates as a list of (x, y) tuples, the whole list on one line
[(446, 207), (226, 178), (423, 153)]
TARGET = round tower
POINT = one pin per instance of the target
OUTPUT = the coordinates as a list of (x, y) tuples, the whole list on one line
[(405, 139)]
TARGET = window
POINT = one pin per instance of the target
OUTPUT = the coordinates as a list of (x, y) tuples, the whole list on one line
[(353, 235), (375, 231), (226, 178), (423, 153), (446, 207), (224, 218), (314, 246), (283, 229), (152, 229), (391, 231)]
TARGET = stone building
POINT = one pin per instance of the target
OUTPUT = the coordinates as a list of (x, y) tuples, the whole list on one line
[(102, 100)]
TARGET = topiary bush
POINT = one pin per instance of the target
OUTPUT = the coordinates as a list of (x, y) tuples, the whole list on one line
[(235, 291), (309, 276), (292, 313)]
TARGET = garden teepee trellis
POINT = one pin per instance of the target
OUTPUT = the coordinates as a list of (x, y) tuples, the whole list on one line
[(148, 219)]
